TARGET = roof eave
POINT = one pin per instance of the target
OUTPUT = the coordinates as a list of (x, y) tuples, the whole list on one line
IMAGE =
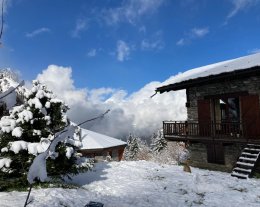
[(104, 148), (227, 76)]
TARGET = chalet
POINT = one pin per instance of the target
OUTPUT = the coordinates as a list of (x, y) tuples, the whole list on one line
[(99, 146), (223, 115)]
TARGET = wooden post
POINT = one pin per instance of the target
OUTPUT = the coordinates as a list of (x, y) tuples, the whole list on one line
[(186, 166), (120, 154)]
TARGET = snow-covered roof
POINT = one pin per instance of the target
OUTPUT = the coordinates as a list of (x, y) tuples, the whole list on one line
[(94, 140), (241, 63)]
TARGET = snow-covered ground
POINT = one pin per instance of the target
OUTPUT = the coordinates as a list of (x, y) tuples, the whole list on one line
[(142, 183)]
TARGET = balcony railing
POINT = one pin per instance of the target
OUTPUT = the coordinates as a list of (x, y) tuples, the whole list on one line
[(232, 130)]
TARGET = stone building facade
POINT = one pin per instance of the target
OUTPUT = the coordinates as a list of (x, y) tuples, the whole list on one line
[(199, 157), (249, 84), (232, 151), (223, 115)]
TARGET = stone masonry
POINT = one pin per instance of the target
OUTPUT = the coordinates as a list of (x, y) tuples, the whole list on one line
[(198, 155), (252, 85)]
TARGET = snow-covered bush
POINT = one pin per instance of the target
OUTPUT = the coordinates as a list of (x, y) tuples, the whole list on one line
[(28, 130), (172, 154), (167, 152), (144, 152)]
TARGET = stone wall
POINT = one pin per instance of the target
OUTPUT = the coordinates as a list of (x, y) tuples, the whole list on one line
[(198, 153), (252, 85)]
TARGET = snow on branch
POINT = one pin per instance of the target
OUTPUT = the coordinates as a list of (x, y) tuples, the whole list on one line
[(38, 167)]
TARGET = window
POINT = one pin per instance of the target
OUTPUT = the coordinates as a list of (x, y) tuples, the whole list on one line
[(227, 110)]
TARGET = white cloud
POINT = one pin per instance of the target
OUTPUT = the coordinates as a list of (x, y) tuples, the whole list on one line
[(81, 25), (122, 51), (200, 32), (38, 32), (194, 33), (240, 5), (135, 112), (142, 29), (92, 53), (130, 11), (255, 50), (181, 42), (154, 43)]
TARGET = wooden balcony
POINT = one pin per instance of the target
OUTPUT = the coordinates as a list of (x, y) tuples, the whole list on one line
[(228, 132)]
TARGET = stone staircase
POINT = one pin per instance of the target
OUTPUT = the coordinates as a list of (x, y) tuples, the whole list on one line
[(246, 162)]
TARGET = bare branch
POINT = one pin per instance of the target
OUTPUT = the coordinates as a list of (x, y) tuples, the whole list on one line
[(100, 116), (28, 196), (2, 20)]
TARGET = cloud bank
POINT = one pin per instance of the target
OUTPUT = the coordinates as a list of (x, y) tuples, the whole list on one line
[(130, 113)]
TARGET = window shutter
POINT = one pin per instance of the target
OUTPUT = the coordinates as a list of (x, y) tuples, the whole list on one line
[(250, 112), (204, 117)]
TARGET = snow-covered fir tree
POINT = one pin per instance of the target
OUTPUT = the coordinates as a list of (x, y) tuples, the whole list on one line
[(28, 130), (132, 148), (159, 143), (137, 149)]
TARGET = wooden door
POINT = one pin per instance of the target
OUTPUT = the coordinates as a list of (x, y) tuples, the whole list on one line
[(250, 112), (210, 153), (215, 153), (204, 117), (219, 153)]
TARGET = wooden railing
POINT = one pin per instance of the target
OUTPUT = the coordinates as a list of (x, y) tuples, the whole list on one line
[(207, 129)]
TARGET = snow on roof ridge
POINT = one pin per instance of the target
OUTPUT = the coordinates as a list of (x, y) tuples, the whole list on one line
[(216, 68), (94, 140)]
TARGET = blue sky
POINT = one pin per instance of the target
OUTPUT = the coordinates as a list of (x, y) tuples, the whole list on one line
[(126, 44)]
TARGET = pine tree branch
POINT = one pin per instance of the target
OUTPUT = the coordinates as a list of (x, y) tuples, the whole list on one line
[(55, 137)]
